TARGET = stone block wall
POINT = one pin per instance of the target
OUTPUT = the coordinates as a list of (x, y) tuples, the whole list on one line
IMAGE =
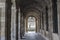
[(2, 17), (2, 20), (2, 0)]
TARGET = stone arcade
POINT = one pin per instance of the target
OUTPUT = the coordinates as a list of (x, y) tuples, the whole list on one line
[(14, 16)]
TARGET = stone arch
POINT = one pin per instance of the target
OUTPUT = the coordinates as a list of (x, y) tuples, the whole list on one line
[(34, 14)]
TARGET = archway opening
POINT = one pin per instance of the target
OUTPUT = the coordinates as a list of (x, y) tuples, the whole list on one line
[(31, 24)]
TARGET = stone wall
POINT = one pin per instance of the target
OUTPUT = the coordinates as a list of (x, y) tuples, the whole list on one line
[(2, 0), (2, 21), (58, 12), (2, 9), (49, 34)]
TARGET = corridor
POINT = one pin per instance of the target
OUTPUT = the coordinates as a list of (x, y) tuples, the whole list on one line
[(19, 17), (33, 36)]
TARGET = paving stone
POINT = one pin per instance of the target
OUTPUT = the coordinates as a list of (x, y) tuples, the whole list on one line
[(33, 36)]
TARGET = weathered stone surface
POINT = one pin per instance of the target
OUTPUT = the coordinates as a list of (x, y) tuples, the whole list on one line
[(33, 36), (58, 12), (28, 6), (2, 16)]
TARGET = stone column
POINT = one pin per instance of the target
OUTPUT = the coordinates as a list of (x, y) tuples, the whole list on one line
[(17, 2), (0, 23), (17, 11), (41, 22), (44, 23), (58, 12), (46, 18), (21, 25), (8, 20), (50, 19), (13, 24), (36, 25), (55, 19)]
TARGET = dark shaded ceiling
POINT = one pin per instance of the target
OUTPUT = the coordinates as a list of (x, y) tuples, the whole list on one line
[(26, 5)]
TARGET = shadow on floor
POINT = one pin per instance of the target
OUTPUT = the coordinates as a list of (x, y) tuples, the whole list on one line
[(32, 36)]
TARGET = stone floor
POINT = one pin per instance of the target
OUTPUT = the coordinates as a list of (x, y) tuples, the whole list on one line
[(28, 36), (33, 36)]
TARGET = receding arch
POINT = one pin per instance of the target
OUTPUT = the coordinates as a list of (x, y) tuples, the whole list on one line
[(31, 23), (33, 14)]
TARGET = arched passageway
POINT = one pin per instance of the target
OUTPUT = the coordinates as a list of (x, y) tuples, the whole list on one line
[(31, 24), (15, 22), (31, 19)]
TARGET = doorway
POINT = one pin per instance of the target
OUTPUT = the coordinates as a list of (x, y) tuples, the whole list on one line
[(31, 24)]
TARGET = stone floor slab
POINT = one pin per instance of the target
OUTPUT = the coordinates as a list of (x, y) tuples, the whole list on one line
[(33, 36)]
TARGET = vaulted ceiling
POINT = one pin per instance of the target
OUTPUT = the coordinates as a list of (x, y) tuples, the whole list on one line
[(26, 5)]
